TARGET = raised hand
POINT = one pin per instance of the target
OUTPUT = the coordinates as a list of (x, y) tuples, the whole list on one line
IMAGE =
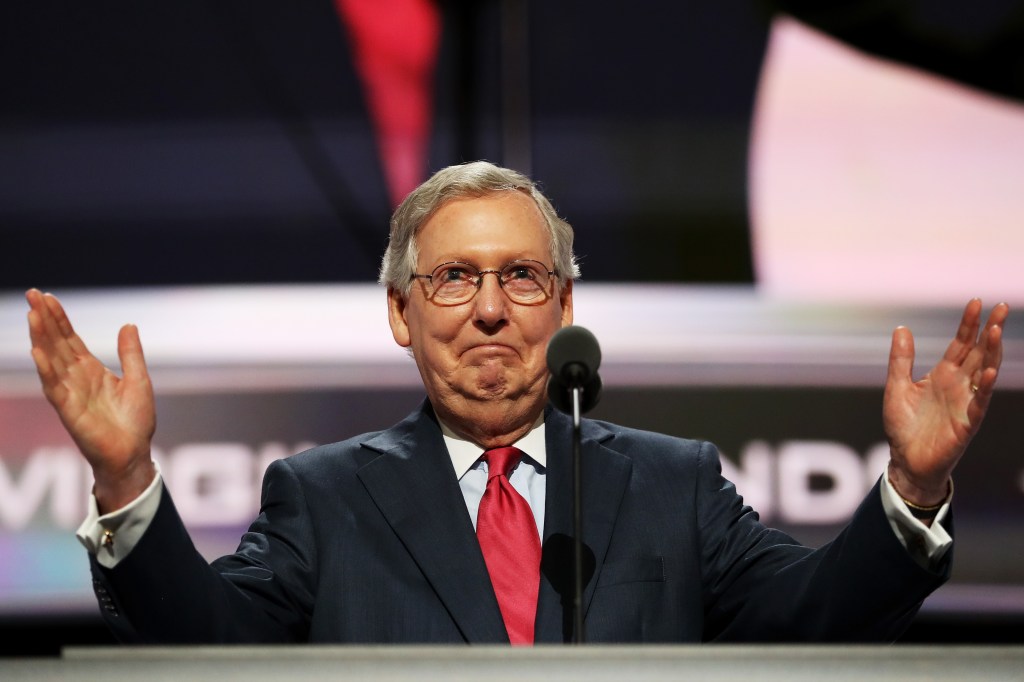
[(930, 422), (112, 419)]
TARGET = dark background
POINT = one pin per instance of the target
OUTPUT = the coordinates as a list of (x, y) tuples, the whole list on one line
[(229, 142)]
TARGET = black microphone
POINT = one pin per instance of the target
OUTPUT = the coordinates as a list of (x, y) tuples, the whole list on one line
[(575, 387), (573, 359)]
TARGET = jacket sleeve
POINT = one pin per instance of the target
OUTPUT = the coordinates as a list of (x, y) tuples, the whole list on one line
[(164, 590), (761, 585)]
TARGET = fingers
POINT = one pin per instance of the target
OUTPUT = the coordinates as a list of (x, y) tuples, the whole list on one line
[(63, 325), (998, 315), (51, 365), (981, 398), (988, 351), (51, 331), (45, 337), (985, 377), (56, 349), (992, 337), (38, 314), (47, 375), (966, 333)]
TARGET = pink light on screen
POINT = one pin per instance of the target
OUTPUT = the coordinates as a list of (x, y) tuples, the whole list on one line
[(875, 183)]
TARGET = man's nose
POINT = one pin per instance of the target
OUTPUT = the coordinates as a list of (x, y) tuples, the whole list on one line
[(491, 303)]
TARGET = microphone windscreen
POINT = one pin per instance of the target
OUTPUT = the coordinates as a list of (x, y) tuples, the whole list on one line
[(571, 346)]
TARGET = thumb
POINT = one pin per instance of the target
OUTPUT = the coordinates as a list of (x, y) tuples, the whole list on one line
[(901, 357), (129, 351)]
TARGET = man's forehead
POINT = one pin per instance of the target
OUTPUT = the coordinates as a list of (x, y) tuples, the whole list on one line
[(504, 219), (511, 195)]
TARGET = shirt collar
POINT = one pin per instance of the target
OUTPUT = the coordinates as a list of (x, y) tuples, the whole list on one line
[(465, 453)]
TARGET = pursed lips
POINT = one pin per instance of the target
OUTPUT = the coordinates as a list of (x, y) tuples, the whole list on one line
[(491, 350)]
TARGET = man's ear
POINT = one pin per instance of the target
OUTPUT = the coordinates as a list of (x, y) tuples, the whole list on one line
[(565, 297), (396, 318)]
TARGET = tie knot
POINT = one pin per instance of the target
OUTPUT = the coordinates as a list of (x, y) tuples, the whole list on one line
[(500, 461)]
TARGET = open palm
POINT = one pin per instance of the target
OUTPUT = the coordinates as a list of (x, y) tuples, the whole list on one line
[(112, 419), (930, 422)]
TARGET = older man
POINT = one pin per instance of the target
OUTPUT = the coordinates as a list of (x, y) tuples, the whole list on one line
[(451, 525)]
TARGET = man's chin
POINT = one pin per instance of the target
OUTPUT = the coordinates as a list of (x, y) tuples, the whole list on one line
[(489, 381), (492, 385), (491, 391), (486, 390)]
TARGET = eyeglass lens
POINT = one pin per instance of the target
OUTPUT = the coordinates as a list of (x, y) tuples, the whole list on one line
[(522, 280)]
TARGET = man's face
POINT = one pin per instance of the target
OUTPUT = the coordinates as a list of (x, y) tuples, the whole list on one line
[(488, 351)]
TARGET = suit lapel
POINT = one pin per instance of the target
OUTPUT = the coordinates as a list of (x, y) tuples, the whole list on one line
[(605, 478), (413, 484)]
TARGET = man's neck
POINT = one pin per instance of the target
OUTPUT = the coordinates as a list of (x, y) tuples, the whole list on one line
[(465, 454), (492, 425)]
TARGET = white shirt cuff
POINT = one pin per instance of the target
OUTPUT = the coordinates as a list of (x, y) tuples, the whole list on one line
[(926, 544), (112, 536)]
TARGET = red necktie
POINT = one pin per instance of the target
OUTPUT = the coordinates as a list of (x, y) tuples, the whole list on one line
[(509, 541)]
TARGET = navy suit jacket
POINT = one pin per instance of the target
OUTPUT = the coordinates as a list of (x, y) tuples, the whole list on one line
[(369, 540)]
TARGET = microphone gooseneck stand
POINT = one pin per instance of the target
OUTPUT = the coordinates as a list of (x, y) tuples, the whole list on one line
[(573, 358), (579, 635)]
